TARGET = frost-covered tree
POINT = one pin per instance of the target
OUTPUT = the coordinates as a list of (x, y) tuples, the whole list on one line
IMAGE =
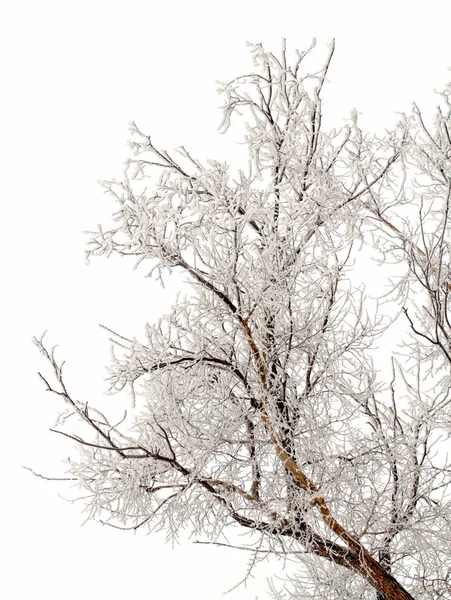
[(258, 400)]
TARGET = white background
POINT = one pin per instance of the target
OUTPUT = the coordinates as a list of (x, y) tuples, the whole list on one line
[(73, 75)]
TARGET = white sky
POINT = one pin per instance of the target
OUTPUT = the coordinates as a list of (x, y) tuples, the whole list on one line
[(74, 74)]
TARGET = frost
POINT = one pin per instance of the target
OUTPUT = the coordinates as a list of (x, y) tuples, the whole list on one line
[(258, 401)]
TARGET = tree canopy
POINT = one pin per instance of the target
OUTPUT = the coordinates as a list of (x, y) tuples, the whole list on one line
[(257, 400)]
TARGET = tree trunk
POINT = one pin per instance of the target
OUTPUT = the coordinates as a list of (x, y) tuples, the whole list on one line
[(387, 586)]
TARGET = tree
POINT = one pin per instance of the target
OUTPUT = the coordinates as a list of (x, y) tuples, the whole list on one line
[(260, 402)]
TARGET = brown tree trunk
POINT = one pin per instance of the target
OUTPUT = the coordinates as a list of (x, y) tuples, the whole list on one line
[(387, 586)]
